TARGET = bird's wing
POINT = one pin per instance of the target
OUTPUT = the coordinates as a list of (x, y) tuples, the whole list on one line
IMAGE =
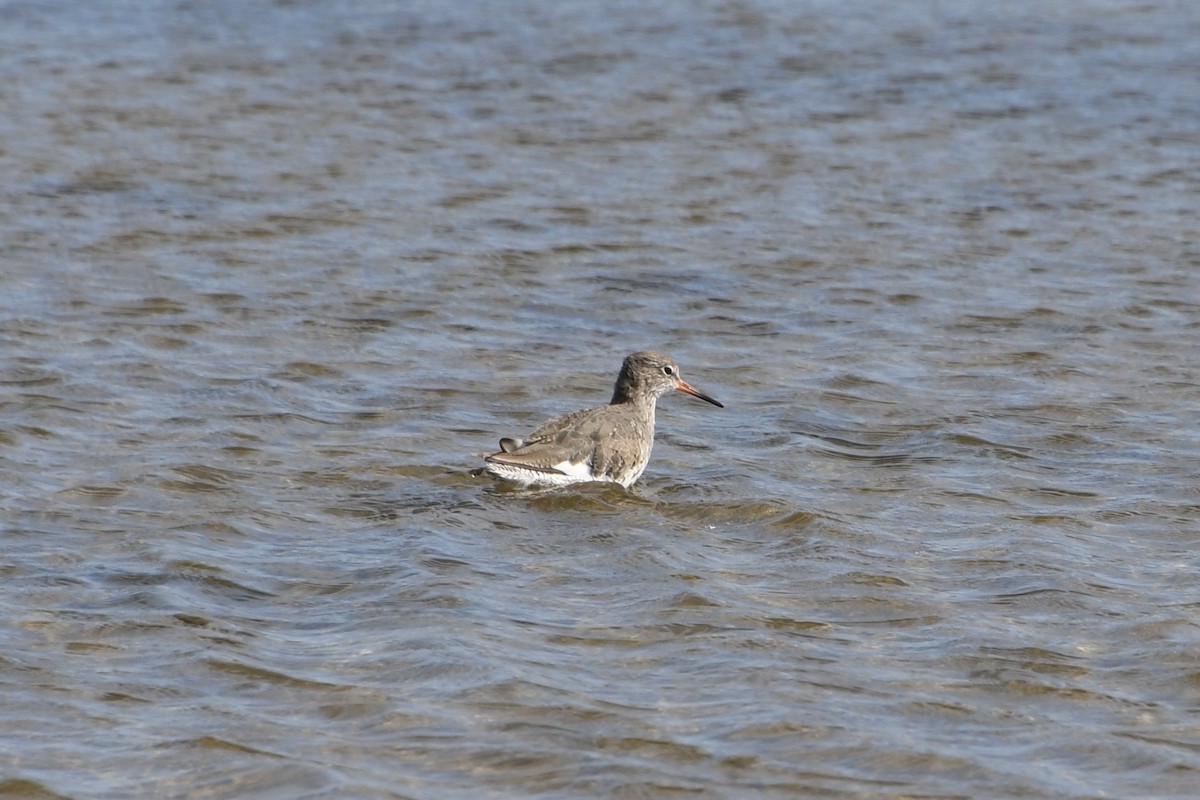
[(564, 453)]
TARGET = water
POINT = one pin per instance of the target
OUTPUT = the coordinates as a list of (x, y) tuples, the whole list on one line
[(276, 275)]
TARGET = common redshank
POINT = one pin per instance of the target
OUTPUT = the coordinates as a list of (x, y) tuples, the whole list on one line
[(607, 443)]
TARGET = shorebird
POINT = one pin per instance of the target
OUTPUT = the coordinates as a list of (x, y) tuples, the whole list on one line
[(607, 443)]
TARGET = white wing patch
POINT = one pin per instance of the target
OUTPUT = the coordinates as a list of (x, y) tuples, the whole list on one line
[(579, 471), (567, 473)]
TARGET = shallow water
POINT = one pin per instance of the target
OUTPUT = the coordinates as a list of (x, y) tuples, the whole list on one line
[(276, 276)]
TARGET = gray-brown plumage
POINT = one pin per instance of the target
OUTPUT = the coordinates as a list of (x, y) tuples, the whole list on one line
[(606, 443)]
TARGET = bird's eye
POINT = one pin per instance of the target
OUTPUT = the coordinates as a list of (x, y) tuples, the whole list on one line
[(668, 371)]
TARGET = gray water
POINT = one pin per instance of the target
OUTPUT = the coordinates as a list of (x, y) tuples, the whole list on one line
[(275, 276)]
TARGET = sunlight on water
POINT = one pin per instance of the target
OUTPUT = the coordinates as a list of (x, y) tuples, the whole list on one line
[(277, 277)]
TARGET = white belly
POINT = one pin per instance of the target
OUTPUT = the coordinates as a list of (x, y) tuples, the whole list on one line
[(567, 473)]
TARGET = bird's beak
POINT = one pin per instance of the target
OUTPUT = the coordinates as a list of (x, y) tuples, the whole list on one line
[(687, 388)]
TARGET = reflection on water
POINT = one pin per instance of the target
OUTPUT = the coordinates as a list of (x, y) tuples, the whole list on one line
[(277, 276)]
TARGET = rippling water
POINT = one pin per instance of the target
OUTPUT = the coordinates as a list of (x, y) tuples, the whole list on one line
[(276, 275)]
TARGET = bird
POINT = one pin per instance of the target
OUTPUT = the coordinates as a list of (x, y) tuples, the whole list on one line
[(609, 443)]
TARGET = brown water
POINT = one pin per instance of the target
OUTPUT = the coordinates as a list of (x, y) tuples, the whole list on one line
[(275, 275)]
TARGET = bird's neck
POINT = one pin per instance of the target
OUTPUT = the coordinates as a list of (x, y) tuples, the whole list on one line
[(625, 396)]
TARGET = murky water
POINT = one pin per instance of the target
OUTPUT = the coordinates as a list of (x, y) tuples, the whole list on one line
[(275, 275)]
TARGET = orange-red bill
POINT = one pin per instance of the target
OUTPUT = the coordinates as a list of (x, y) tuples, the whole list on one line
[(687, 388)]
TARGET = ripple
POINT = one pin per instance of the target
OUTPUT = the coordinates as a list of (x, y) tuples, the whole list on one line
[(939, 539)]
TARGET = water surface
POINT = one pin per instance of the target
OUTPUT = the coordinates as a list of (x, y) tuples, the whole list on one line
[(275, 276)]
